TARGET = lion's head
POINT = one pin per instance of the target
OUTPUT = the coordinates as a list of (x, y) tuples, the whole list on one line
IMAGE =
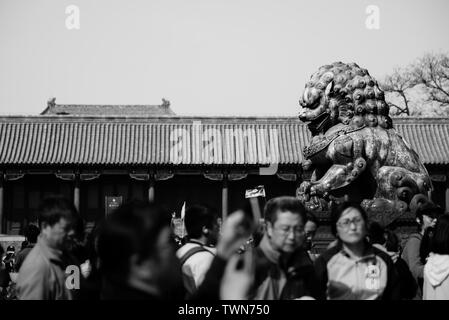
[(343, 93)]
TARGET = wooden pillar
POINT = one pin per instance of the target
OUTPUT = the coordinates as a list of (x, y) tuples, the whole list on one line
[(1, 203), (224, 197), (447, 196), (76, 193), (151, 189), (299, 180)]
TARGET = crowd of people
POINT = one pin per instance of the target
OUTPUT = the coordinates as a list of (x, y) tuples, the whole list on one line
[(132, 254)]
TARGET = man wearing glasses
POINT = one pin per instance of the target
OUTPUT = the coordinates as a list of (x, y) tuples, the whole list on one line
[(283, 267)]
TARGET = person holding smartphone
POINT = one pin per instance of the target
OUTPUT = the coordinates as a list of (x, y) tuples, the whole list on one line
[(278, 268)]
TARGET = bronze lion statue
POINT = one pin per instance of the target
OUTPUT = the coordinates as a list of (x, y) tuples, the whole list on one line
[(354, 150)]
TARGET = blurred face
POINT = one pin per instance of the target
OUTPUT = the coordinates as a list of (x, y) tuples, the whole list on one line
[(57, 234), (287, 233), (161, 269), (164, 247), (351, 228), (158, 259), (310, 229)]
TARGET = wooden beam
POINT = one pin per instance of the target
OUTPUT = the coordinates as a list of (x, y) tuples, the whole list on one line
[(447, 198), (151, 189), (299, 180), (76, 193)]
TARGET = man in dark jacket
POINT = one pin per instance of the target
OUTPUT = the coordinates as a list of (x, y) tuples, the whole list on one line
[(283, 269)]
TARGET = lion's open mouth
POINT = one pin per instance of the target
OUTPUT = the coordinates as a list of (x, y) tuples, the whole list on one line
[(318, 123)]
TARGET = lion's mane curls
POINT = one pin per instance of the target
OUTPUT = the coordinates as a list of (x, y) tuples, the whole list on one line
[(355, 97)]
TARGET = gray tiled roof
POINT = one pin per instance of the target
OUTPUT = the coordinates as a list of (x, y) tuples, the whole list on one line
[(70, 140)]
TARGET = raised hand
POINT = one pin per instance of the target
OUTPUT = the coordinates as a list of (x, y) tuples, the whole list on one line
[(234, 234), (238, 277)]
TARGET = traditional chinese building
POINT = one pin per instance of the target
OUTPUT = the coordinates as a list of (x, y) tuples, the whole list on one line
[(89, 152)]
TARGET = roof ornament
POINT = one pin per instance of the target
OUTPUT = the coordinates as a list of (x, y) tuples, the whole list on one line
[(165, 103), (51, 102)]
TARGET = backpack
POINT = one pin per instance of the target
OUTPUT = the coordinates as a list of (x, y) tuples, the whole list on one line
[(191, 252)]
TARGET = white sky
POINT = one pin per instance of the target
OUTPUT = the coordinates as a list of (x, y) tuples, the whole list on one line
[(207, 57)]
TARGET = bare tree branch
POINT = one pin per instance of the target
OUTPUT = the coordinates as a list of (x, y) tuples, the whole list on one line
[(399, 109), (432, 72), (427, 78), (398, 83)]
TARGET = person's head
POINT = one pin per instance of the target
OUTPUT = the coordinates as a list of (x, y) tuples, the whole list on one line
[(349, 223), (310, 228), (440, 239), (31, 233), (392, 241), (427, 215), (285, 220), (134, 246), (376, 233), (56, 215), (24, 244), (383, 236), (202, 223)]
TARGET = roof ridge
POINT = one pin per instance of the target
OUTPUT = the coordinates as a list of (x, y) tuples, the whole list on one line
[(109, 105)]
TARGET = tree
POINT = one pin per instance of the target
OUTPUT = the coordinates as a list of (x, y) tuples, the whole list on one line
[(432, 72), (399, 83), (421, 88)]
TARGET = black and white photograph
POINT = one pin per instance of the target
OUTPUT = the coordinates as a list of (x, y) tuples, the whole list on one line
[(219, 155)]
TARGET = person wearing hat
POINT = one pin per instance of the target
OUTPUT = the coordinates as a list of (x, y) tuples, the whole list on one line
[(426, 216)]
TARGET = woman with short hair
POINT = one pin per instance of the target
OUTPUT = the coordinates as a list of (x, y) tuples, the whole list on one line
[(353, 269)]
